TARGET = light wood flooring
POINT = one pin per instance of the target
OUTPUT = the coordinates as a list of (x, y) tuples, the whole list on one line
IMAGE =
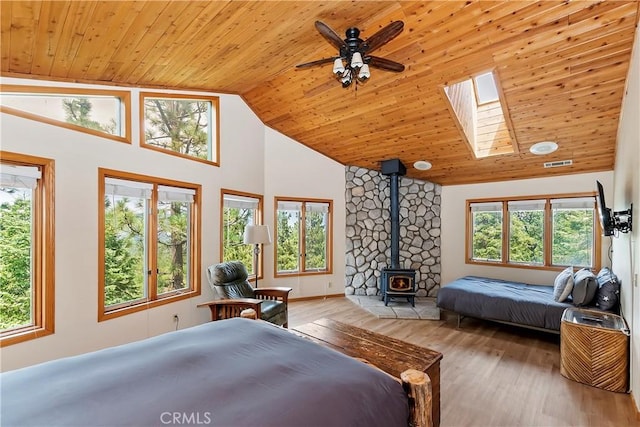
[(491, 375)]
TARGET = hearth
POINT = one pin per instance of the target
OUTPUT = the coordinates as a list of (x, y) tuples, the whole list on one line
[(395, 281)]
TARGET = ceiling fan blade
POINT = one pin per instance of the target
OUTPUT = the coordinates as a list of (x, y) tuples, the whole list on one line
[(383, 36), (318, 62), (330, 35), (385, 64)]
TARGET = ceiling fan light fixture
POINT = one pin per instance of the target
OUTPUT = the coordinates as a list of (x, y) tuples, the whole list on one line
[(338, 66), (356, 60), (364, 73)]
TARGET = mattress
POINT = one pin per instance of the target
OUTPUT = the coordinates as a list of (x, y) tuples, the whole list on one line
[(234, 372), (501, 300)]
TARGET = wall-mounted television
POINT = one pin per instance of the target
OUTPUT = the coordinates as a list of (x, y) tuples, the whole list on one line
[(612, 222)]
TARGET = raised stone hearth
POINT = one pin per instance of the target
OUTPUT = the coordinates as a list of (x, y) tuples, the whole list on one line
[(425, 308)]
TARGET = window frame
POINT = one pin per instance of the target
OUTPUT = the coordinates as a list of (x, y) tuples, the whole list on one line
[(124, 96), (259, 220), (153, 299), (43, 249), (215, 133), (302, 271), (547, 232)]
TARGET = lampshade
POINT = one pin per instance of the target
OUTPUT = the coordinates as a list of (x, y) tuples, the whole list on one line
[(356, 60), (346, 78), (364, 73), (257, 234), (338, 67)]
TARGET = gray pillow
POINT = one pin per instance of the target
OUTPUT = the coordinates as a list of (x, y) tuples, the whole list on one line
[(563, 285), (608, 293), (584, 287)]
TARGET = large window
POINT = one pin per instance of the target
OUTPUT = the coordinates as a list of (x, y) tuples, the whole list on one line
[(103, 113), (543, 232), (182, 125), (303, 236), (149, 241), (239, 210), (26, 247)]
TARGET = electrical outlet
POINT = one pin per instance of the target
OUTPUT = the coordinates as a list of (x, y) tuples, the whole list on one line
[(330, 284), (176, 318)]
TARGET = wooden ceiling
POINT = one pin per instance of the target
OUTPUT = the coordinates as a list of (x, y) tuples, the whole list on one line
[(561, 65)]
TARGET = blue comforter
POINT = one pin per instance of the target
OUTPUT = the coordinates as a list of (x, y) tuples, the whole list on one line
[(234, 372), (501, 300)]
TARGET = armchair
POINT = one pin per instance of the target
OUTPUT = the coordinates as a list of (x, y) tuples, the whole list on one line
[(229, 281)]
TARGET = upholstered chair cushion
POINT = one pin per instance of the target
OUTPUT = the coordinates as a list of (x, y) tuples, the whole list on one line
[(229, 280), (273, 312)]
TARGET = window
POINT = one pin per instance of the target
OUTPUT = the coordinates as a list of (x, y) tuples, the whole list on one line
[(486, 89), (238, 211), (149, 242), (526, 231), (26, 247), (573, 231), (181, 125), (98, 112), (543, 232), (486, 231), (303, 241)]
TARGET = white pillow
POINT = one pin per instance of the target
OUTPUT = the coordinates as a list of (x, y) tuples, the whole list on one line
[(563, 285)]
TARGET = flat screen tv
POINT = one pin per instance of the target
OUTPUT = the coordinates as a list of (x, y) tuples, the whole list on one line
[(606, 220)]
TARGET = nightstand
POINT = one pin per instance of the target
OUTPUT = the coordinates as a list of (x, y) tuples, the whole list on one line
[(594, 349)]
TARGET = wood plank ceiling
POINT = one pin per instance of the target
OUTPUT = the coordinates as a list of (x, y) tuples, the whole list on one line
[(562, 66)]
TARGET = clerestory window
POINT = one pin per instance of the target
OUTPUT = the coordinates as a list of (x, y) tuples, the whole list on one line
[(181, 125)]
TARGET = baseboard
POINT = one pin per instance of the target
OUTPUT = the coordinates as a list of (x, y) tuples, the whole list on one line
[(316, 297)]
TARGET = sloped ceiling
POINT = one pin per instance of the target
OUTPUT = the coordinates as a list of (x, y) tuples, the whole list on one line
[(562, 67)]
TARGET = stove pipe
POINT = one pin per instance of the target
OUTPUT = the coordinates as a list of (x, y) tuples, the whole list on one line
[(394, 169)]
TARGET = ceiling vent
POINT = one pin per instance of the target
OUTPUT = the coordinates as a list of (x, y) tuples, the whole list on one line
[(558, 164)]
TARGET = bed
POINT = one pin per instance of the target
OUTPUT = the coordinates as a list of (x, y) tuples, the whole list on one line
[(516, 303), (234, 372)]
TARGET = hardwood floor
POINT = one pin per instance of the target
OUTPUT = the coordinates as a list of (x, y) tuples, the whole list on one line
[(491, 375)]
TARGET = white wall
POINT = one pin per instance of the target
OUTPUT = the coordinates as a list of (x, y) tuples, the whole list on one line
[(453, 222), (296, 171), (626, 247), (244, 167)]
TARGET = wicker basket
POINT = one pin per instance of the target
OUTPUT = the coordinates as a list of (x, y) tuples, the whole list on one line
[(594, 349)]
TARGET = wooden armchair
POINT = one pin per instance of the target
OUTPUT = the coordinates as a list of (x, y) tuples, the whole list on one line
[(229, 281)]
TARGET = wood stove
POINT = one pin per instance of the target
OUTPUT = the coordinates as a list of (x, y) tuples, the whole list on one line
[(396, 282)]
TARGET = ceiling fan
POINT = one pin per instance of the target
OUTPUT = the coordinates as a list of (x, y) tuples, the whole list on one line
[(355, 57)]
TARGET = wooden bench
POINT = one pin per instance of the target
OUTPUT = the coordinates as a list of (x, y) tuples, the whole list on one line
[(389, 354)]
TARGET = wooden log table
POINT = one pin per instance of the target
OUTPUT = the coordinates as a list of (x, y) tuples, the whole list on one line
[(389, 354)]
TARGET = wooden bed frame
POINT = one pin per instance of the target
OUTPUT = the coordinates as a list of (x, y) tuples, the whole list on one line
[(388, 355)]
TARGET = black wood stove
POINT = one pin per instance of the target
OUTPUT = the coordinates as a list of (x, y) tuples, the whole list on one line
[(396, 282)]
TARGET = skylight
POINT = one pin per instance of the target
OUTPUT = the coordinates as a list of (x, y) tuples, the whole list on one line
[(486, 89), (481, 118)]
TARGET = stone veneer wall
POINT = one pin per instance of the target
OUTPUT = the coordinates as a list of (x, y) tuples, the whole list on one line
[(368, 229)]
